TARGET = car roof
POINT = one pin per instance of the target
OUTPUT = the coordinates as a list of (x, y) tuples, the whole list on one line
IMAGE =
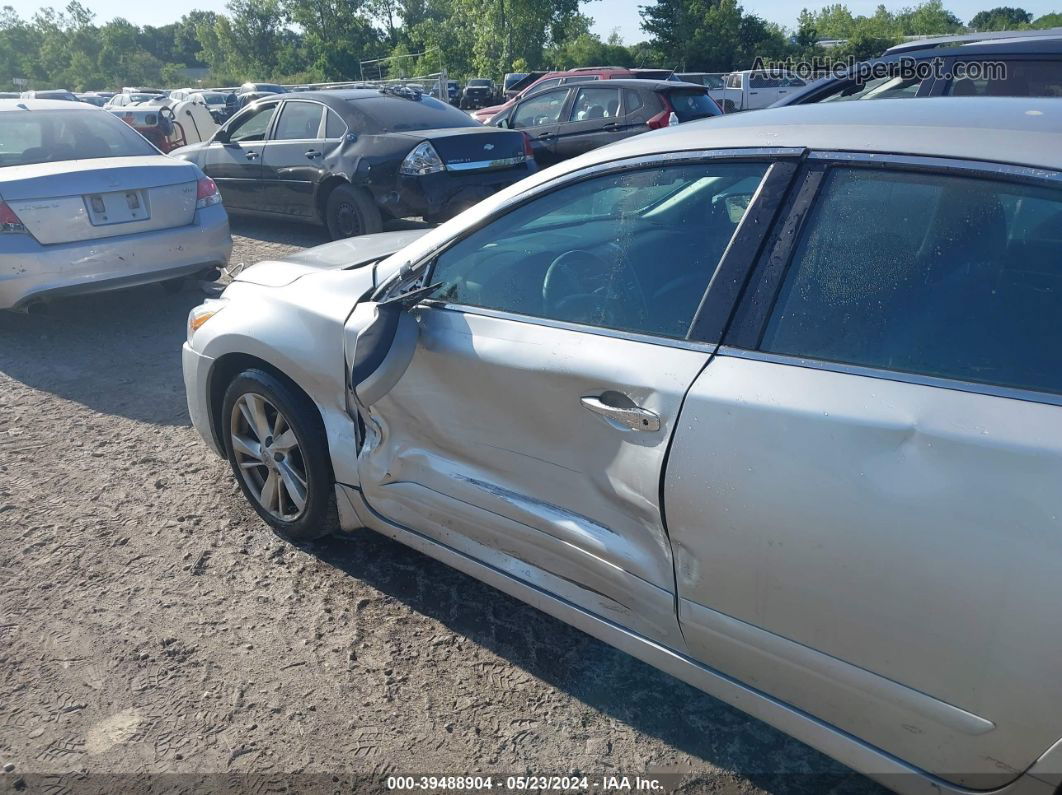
[(626, 82), (45, 104), (937, 41), (1018, 130)]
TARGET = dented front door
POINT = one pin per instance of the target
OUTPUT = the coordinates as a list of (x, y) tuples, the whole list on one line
[(538, 450)]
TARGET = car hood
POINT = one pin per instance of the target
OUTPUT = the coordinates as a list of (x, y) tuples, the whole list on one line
[(349, 254)]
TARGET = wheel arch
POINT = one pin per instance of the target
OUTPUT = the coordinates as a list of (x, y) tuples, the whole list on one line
[(228, 367), (324, 190)]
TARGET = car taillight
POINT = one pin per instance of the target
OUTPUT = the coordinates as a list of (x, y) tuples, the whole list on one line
[(663, 118), (206, 193), (421, 161), (529, 150), (10, 224)]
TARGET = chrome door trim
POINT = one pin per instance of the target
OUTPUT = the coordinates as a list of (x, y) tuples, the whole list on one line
[(954, 384), (942, 165), (670, 342)]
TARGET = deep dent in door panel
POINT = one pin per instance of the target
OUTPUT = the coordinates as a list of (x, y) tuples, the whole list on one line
[(486, 430)]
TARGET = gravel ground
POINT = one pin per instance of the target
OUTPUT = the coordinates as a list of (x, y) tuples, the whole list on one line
[(150, 624)]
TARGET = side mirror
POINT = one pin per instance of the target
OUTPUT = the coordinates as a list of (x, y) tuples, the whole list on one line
[(352, 138), (221, 136), (502, 122)]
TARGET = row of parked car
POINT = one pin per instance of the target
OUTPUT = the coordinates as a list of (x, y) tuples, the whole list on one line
[(770, 400)]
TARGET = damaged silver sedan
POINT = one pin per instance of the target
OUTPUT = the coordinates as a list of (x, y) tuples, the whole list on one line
[(772, 402)]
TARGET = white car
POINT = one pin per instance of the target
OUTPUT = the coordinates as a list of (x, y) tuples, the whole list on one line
[(87, 204), (772, 401)]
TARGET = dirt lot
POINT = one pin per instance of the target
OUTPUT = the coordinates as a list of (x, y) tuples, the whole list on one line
[(149, 623)]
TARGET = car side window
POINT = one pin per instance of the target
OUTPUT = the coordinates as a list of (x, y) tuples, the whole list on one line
[(335, 127), (1019, 79), (631, 251), (632, 100), (298, 121), (253, 126), (957, 277), (540, 110), (595, 103)]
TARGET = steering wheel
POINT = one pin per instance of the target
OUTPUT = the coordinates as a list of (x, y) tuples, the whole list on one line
[(581, 287)]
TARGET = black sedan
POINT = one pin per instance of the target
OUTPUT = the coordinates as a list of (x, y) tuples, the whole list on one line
[(348, 158), (568, 120)]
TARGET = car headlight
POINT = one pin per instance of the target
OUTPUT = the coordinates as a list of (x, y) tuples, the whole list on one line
[(202, 313), (422, 160)]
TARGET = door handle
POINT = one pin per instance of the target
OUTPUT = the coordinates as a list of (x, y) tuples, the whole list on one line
[(312, 154), (252, 155), (612, 125), (623, 418), (545, 135)]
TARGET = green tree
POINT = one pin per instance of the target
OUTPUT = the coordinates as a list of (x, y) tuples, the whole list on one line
[(1001, 18)]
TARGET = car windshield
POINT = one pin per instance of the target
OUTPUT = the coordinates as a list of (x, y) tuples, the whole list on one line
[(690, 104), (398, 114), (214, 97), (42, 136), (479, 82)]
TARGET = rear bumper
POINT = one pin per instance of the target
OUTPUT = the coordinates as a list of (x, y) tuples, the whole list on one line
[(31, 272), (448, 193)]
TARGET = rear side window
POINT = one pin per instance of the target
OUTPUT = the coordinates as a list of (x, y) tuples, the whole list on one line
[(1021, 79), (944, 276), (689, 104), (298, 121), (334, 126), (595, 103), (632, 100)]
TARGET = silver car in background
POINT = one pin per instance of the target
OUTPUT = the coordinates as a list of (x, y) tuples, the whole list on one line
[(772, 402), (87, 204)]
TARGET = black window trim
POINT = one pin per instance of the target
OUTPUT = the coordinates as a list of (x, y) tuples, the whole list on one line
[(743, 338), (753, 233)]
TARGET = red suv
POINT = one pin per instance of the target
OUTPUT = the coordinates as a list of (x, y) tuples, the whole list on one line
[(582, 74)]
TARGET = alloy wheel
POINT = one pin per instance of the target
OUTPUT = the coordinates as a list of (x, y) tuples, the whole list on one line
[(269, 456)]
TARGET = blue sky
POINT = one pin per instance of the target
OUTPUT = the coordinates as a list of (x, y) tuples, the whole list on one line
[(608, 14)]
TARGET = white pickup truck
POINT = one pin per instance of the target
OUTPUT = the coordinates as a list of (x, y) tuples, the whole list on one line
[(751, 90)]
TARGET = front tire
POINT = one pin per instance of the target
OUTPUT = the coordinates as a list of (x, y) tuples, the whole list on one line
[(277, 449), (349, 212)]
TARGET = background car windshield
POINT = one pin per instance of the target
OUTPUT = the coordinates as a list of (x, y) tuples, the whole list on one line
[(479, 82), (878, 88), (689, 104), (397, 114), (52, 135), (214, 98)]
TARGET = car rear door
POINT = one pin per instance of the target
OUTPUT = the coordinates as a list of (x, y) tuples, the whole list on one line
[(293, 159), (862, 494), (236, 164), (539, 117), (530, 426), (593, 119)]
